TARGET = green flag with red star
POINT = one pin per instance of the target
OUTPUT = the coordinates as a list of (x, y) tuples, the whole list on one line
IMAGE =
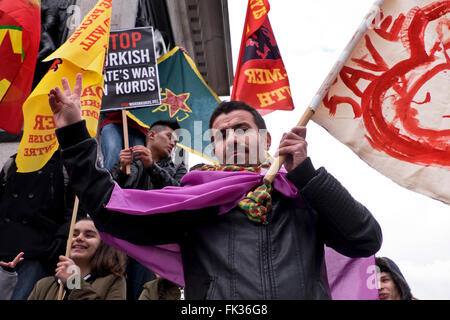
[(185, 97)]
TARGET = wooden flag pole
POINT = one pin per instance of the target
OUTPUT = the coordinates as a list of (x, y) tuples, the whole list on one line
[(329, 80), (125, 136), (69, 241)]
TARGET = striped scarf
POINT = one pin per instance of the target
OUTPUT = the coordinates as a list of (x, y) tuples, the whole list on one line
[(258, 202)]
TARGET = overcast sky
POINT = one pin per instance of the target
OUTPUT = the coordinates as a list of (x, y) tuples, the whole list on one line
[(311, 35)]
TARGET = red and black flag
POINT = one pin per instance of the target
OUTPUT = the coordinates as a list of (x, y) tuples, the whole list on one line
[(20, 31), (261, 79)]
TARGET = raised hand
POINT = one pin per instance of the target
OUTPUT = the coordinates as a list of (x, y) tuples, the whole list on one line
[(66, 106), (13, 263)]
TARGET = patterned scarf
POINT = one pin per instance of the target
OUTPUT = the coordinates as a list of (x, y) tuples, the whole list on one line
[(258, 203)]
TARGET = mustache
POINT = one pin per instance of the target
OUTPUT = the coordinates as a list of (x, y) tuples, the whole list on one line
[(236, 147)]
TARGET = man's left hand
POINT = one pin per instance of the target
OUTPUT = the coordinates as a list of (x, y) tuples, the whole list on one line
[(294, 146)]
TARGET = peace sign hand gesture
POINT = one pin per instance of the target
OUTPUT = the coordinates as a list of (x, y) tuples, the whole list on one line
[(66, 106)]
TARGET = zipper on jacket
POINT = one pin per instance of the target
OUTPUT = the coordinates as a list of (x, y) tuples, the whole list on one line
[(52, 188), (267, 276)]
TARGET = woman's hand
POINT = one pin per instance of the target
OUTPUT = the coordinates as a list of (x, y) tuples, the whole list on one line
[(13, 263), (65, 269)]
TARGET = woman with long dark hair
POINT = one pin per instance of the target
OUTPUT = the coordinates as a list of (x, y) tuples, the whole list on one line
[(94, 271)]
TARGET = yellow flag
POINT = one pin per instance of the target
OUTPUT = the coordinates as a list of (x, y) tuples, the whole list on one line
[(84, 52)]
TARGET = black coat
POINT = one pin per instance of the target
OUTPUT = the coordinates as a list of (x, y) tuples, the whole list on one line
[(229, 256), (35, 210)]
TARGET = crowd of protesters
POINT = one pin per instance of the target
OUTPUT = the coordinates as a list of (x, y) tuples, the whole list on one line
[(35, 220), (35, 211), (36, 207)]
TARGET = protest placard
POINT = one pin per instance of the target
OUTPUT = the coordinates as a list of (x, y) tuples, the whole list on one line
[(131, 71)]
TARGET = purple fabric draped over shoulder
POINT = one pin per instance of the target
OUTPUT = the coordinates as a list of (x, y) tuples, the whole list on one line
[(200, 189)]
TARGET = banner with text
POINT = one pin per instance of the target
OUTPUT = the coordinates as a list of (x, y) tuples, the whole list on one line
[(186, 98), (131, 71), (261, 79), (84, 52), (390, 102)]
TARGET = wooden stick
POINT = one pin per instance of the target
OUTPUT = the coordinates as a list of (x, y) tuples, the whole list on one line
[(69, 241), (329, 80), (125, 136)]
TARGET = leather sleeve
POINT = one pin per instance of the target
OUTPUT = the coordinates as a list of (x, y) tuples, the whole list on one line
[(116, 174), (94, 185), (162, 178), (345, 224), (125, 181)]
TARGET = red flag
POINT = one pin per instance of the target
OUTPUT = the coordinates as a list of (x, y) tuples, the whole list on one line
[(20, 29), (261, 79)]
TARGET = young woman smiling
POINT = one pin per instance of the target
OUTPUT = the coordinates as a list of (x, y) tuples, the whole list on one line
[(94, 271)]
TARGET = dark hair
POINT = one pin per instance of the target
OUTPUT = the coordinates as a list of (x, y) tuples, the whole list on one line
[(106, 259), (387, 265), (229, 106), (173, 124)]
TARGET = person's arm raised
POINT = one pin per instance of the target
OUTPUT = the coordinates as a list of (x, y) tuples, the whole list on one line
[(66, 106), (94, 186)]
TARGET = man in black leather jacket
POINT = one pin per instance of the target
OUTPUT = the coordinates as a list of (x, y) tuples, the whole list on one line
[(229, 256)]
